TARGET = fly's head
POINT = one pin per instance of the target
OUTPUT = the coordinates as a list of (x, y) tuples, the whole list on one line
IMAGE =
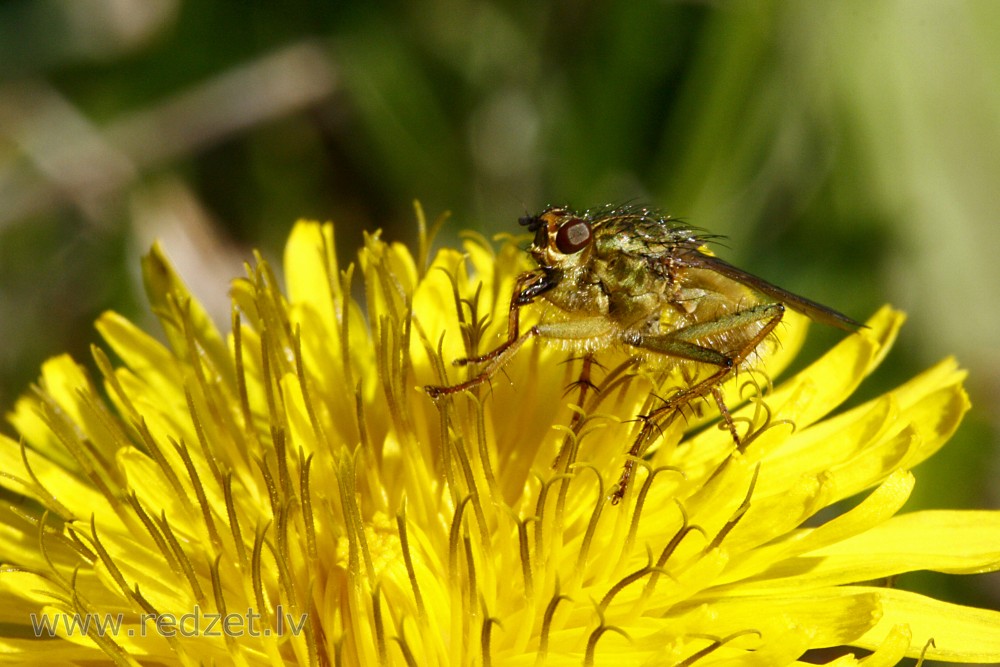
[(564, 249), (563, 240)]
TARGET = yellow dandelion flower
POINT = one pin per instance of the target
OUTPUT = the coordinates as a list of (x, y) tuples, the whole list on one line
[(284, 494)]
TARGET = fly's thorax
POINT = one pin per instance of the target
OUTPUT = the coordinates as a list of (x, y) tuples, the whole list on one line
[(636, 291), (577, 291)]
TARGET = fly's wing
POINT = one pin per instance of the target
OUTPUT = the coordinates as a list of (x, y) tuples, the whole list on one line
[(815, 311)]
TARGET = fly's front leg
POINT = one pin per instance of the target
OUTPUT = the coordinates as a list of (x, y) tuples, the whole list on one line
[(597, 329), (496, 359), (680, 344), (526, 288)]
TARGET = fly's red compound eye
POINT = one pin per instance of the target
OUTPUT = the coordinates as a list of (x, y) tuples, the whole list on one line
[(573, 236)]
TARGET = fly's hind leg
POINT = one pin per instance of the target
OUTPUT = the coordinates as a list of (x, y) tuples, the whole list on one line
[(680, 344)]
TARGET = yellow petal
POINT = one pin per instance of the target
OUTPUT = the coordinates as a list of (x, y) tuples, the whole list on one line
[(183, 317), (804, 398), (960, 633), (830, 380), (861, 447), (928, 539), (892, 649), (311, 271), (904, 543), (145, 357), (48, 482), (878, 507)]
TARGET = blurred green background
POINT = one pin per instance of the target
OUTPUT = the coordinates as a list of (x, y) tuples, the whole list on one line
[(850, 151)]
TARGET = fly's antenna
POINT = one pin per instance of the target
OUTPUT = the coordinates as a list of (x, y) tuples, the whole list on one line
[(532, 222)]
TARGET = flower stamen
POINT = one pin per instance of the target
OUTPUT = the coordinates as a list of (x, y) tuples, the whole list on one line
[(550, 612), (595, 516), (404, 546), (640, 500), (379, 629), (737, 515), (588, 658), (620, 585), (522, 540), (233, 516), (715, 645), (488, 623)]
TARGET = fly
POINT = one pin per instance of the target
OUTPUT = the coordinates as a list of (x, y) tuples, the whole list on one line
[(632, 278)]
